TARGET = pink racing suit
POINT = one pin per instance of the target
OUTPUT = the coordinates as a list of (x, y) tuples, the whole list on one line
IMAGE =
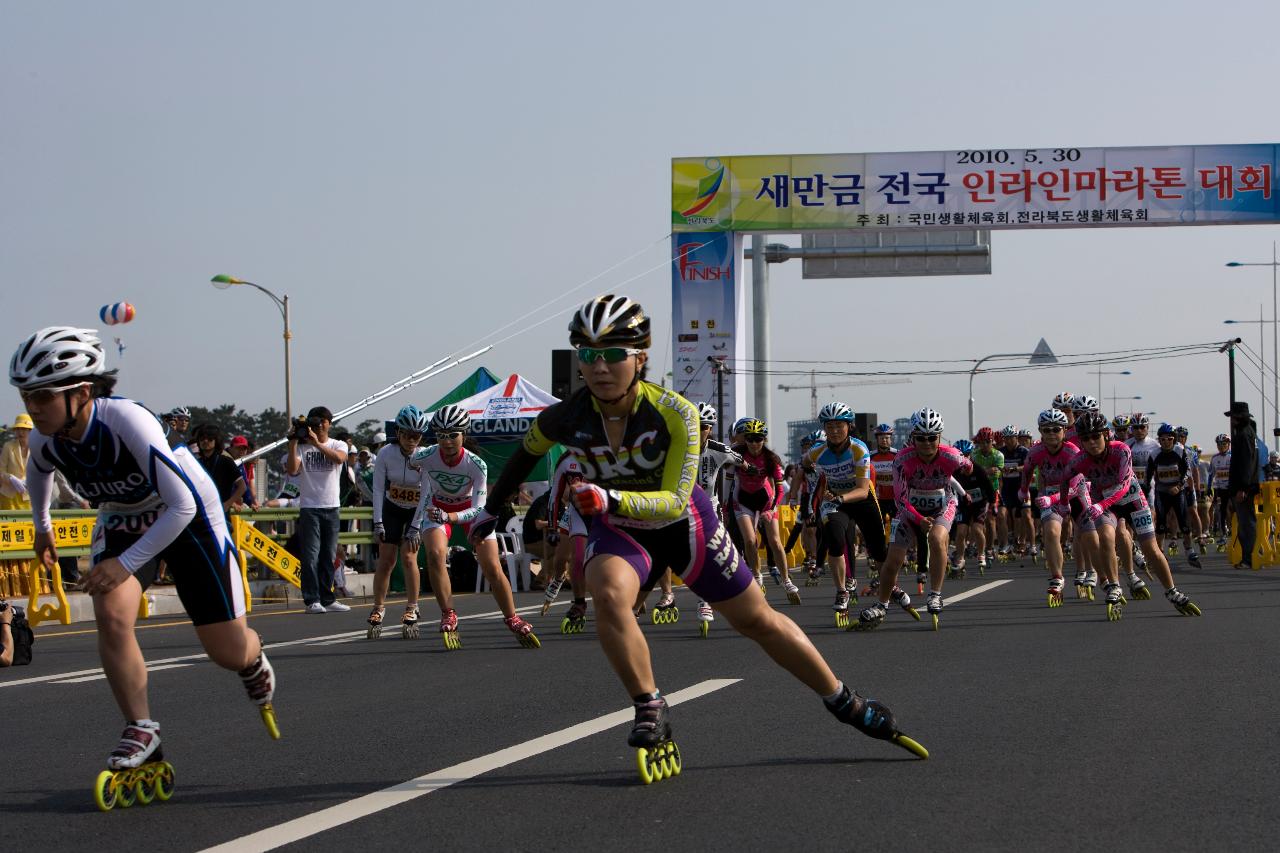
[(1109, 484), (1053, 469), (922, 490)]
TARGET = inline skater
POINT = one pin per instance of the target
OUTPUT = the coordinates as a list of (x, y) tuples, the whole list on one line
[(1190, 495), (988, 458), (1064, 403), (1219, 475), (154, 503), (975, 498), (397, 490), (754, 490), (1050, 459), (846, 502), (1102, 478), (804, 482), (1014, 514), (569, 541), (1167, 472), (454, 483), (922, 476), (882, 465), (639, 444)]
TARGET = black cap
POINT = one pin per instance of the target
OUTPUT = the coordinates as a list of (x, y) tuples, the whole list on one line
[(1238, 409)]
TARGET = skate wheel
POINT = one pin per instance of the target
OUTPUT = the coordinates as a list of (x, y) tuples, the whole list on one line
[(704, 628), (910, 745), (126, 796), (1088, 591), (1055, 599), (164, 782), (269, 720), (530, 641), (451, 641), (143, 790), (104, 791), (409, 632), (842, 620), (915, 614), (793, 597), (935, 620), (375, 631), (649, 772)]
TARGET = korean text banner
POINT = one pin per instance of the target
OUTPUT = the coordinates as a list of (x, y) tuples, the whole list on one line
[(707, 312), (988, 188)]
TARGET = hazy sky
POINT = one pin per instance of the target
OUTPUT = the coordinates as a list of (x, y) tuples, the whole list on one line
[(416, 175)]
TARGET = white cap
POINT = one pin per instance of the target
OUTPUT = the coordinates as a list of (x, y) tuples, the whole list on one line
[(379, 438)]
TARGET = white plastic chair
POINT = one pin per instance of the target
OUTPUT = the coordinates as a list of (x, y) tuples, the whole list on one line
[(513, 555)]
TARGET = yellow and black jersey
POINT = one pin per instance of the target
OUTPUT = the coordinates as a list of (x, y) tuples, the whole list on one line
[(651, 475)]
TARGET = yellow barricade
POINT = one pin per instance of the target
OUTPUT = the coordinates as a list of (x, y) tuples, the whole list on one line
[(272, 555), (67, 533)]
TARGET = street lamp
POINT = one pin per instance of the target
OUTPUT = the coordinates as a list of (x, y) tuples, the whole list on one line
[(1275, 339), (1042, 354), (1101, 373), (1128, 400), (222, 282), (1262, 367)]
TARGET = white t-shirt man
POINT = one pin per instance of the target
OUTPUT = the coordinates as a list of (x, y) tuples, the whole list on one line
[(319, 475)]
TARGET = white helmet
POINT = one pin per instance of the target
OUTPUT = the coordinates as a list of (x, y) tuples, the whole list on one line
[(1052, 417), (1064, 400), (180, 412), (926, 422), (610, 320), (707, 413), (1085, 403), (55, 355), (835, 412), (450, 417), (1009, 431)]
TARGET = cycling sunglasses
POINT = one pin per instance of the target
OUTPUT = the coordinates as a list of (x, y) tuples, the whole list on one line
[(45, 396), (1050, 429), (927, 439), (451, 435), (754, 436), (611, 355)]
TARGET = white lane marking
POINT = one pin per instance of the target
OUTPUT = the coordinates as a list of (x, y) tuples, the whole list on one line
[(345, 635), (977, 590), (102, 675), (334, 816)]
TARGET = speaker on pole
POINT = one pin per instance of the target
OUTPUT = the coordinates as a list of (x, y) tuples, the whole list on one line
[(863, 425)]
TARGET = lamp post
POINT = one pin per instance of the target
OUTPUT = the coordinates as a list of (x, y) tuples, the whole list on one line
[(1042, 354), (222, 282), (1262, 367), (1101, 373), (1275, 340), (1129, 400)]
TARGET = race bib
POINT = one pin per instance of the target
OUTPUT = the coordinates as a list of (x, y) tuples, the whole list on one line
[(928, 502), (136, 522), (975, 495), (827, 508), (404, 494)]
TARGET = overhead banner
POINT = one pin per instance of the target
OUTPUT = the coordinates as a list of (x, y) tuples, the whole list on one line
[(987, 188), (706, 319)]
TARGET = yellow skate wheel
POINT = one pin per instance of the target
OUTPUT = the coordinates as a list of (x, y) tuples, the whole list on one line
[(910, 745), (1114, 612), (104, 791), (915, 614), (935, 620), (566, 626), (164, 782), (1088, 591), (530, 641), (842, 620), (704, 628), (125, 794), (269, 720), (374, 632), (451, 641), (143, 789)]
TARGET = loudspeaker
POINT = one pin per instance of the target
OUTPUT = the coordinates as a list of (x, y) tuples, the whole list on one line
[(863, 425)]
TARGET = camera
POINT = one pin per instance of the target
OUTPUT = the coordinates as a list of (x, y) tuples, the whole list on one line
[(17, 610), (303, 427)]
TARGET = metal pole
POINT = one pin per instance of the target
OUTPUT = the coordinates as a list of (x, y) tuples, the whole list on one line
[(971, 373), (1231, 375), (1275, 352), (760, 325), (288, 391), (1262, 370), (719, 369), (1100, 381)]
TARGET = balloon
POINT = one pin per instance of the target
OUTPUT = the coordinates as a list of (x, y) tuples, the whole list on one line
[(116, 312)]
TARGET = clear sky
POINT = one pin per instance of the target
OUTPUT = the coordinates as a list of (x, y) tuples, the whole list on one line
[(415, 175)]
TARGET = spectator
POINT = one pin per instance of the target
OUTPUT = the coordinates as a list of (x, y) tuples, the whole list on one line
[(178, 419), (533, 532), (220, 467), (6, 634), (317, 460), (1248, 464), (379, 439), (13, 466), (238, 449)]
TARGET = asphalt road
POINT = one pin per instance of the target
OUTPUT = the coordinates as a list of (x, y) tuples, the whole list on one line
[(1049, 729)]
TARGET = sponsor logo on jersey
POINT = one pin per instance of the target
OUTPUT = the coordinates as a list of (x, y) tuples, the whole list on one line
[(451, 483)]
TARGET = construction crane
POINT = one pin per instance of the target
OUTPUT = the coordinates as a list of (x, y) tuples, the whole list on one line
[(814, 385)]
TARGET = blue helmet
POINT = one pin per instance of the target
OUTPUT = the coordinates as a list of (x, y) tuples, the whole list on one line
[(965, 446), (835, 411), (884, 429), (411, 419), (818, 436), (1165, 429)]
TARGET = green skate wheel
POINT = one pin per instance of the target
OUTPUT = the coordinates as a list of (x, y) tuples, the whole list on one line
[(842, 620), (269, 720), (451, 640), (650, 770), (935, 620), (915, 614), (530, 641), (104, 791), (143, 790), (704, 628), (125, 794), (910, 745), (1088, 592), (164, 782), (1055, 599)]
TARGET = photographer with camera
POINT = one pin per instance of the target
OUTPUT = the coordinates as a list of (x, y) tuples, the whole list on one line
[(15, 635), (317, 460)]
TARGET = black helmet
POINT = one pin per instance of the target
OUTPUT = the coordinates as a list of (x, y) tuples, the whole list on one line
[(1090, 423), (610, 320)]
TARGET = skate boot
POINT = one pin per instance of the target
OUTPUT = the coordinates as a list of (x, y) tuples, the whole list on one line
[(957, 568), (1138, 589), (137, 771), (1055, 592), (760, 580), (870, 618), (1221, 545), (575, 621), (1115, 601), (409, 622), (1035, 554), (841, 607), (921, 579), (793, 592), (1173, 549), (873, 719), (523, 631), (899, 596), (1081, 590), (776, 575), (982, 565), (666, 613), (449, 629), (657, 756), (812, 577), (1178, 599), (375, 622), (1193, 558), (552, 593), (934, 605), (1090, 583), (851, 587), (705, 617), (873, 583), (260, 680)]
